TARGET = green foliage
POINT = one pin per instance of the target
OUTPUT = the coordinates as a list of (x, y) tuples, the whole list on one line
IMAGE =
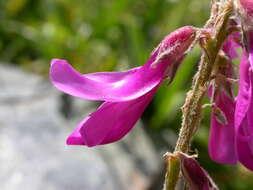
[(93, 35), (106, 35)]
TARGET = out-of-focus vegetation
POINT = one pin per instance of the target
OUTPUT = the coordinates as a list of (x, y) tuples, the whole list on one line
[(106, 35)]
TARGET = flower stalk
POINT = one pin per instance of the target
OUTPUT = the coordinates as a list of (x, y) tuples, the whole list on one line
[(193, 104)]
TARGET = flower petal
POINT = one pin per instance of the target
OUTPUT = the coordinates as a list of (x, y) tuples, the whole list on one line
[(250, 108), (111, 86), (244, 94), (111, 122), (245, 144), (245, 134), (250, 44), (221, 144), (76, 138)]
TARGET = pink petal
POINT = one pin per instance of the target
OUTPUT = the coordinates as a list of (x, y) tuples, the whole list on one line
[(244, 94), (245, 144), (244, 111), (250, 108), (221, 145), (110, 86), (128, 85), (111, 122), (250, 44), (245, 134), (76, 138)]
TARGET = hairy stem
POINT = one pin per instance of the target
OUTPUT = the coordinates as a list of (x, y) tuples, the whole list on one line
[(193, 104)]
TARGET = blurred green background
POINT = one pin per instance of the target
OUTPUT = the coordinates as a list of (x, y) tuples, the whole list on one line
[(108, 35)]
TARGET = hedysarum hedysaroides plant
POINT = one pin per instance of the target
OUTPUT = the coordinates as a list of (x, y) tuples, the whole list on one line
[(126, 94)]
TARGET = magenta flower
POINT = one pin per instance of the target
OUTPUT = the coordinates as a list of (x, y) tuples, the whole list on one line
[(126, 94)]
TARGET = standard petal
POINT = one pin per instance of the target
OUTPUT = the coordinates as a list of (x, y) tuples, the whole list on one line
[(221, 144), (244, 94), (110, 86), (111, 122)]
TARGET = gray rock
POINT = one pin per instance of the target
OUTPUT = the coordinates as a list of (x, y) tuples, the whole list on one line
[(32, 143)]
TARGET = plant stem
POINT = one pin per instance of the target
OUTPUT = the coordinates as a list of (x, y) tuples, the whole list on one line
[(193, 104)]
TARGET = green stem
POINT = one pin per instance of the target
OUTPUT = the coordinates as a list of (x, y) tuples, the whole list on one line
[(192, 107)]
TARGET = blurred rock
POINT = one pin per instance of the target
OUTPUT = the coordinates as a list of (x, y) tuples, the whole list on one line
[(34, 156)]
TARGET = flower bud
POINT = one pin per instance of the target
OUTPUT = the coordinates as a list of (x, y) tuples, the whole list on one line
[(194, 174)]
